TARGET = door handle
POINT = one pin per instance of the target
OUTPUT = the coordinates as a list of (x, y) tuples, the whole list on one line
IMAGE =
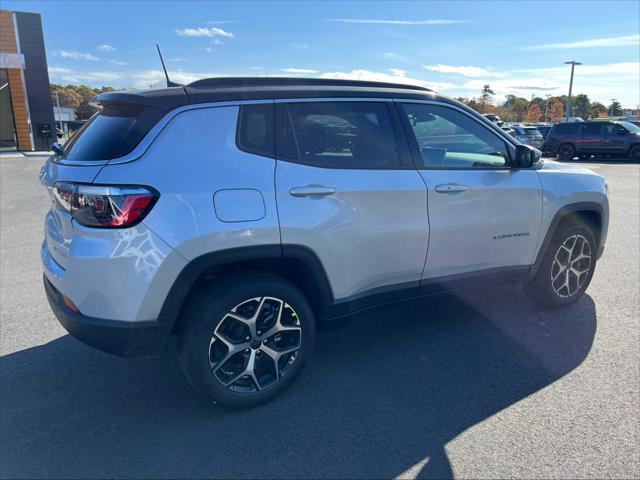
[(311, 190), (450, 188)]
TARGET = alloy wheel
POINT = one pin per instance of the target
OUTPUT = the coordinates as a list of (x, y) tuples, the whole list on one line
[(571, 266), (255, 344)]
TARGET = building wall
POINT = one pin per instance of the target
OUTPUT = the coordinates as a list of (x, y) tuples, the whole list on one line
[(8, 44), (36, 77)]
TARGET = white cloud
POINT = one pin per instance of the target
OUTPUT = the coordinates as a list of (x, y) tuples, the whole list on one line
[(76, 55), (466, 71), (395, 76), (396, 22), (204, 32), (623, 41), (299, 45), (116, 62), (95, 77), (106, 48), (300, 70)]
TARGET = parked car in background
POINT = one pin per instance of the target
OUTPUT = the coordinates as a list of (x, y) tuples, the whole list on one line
[(543, 127), (529, 136), (492, 118), (569, 140), (508, 129), (571, 119)]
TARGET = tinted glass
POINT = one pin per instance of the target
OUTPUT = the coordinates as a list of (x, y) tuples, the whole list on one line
[(342, 135), (629, 127), (613, 129), (255, 131), (568, 128), (592, 129), (112, 133), (451, 139)]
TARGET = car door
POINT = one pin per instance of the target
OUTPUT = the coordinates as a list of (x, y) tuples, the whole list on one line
[(615, 139), (348, 191), (591, 138), (484, 216)]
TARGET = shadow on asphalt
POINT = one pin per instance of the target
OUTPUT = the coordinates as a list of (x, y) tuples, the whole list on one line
[(378, 397)]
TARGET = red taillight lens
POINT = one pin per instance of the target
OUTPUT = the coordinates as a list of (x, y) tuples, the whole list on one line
[(105, 206)]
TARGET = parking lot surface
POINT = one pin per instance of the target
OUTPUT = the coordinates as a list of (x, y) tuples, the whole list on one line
[(474, 385)]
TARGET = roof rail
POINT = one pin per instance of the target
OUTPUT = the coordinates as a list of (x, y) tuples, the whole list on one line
[(231, 82)]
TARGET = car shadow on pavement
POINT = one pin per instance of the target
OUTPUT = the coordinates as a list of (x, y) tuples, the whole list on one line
[(380, 398)]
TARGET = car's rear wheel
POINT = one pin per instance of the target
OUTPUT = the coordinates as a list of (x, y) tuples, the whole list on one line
[(566, 151), (634, 153), (566, 268), (243, 342)]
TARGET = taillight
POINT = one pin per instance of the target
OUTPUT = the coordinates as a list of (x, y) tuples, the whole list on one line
[(105, 206)]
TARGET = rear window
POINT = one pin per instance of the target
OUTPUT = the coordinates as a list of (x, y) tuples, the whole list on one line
[(567, 128), (111, 133), (532, 131)]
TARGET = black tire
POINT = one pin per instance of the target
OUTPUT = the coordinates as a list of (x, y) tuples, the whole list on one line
[(634, 153), (541, 288), (207, 310), (566, 151)]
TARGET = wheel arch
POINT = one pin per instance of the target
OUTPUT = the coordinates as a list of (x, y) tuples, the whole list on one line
[(589, 213), (296, 263)]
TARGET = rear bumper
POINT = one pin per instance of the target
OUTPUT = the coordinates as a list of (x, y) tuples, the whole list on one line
[(127, 339)]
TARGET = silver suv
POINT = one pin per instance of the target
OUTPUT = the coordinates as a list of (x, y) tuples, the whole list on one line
[(241, 215)]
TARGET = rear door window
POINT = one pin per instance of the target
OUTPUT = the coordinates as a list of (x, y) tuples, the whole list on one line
[(592, 129), (111, 133), (356, 135), (568, 128)]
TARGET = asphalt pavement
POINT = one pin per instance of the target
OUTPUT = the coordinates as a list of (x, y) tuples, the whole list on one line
[(479, 384)]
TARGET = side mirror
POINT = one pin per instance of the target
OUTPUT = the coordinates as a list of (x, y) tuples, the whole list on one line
[(57, 148), (526, 156)]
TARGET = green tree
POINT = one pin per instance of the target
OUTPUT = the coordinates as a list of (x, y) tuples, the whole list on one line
[(615, 109), (485, 98), (581, 106), (598, 109)]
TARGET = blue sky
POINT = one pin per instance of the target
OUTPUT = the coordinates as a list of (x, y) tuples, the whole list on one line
[(454, 47)]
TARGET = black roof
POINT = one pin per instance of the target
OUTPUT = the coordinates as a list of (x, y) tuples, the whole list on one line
[(261, 88)]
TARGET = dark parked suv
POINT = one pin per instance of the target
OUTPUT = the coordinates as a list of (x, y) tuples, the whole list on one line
[(569, 140)]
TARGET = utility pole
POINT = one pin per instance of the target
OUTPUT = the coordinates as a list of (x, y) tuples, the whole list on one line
[(546, 108), (573, 64), (611, 109)]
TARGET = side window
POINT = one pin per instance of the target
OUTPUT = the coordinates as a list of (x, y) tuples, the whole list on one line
[(592, 129), (614, 129), (447, 138), (568, 128), (255, 130), (357, 135)]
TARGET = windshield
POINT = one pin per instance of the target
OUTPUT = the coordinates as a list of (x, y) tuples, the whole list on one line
[(630, 126), (111, 133)]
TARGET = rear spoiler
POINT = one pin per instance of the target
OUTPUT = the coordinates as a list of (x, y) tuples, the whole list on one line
[(164, 99)]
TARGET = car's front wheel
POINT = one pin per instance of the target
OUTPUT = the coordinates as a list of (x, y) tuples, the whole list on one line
[(244, 341), (566, 151), (634, 153), (566, 268)]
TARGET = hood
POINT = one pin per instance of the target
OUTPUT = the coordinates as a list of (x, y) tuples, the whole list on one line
[(552, 165)]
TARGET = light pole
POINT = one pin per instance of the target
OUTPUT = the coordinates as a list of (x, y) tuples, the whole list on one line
[(573, 64), (613, 100), (546, 108)]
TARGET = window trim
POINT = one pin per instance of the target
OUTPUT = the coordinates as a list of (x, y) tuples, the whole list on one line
[(415, 149), (283, 123)]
